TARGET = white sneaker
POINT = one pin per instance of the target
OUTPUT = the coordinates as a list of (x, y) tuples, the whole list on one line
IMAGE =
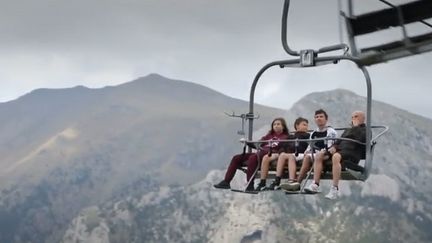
[(333, 193), (312, 188), (290, 186)]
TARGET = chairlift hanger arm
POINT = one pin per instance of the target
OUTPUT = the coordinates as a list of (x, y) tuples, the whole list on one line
[(291, 52), (284, 30), (295, 62)]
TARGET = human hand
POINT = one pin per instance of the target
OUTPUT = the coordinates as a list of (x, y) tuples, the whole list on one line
[(332, 150)]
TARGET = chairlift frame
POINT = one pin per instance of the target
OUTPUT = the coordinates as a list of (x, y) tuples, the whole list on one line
[(311, 58), (364, 57), (395, 16)]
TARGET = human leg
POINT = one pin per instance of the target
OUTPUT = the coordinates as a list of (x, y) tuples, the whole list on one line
[(283, 157), (236, 162), (318, 166), (292, 167), (264, 172), (336, 168), (252, 165), (336, 171), (292, 184), (279, 171), (265, 165), (306, 165)]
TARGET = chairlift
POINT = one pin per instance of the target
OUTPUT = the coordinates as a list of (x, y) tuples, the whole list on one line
[(356, 25)]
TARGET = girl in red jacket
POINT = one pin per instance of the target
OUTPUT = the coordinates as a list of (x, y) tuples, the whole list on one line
[(278, 131)]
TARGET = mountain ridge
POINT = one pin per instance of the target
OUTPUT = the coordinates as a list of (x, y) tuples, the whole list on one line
[(124, 156), (71, 149)]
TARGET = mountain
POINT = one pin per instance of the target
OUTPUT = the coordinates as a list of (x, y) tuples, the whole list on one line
[(63, 150), (136, 163), (393, 205)]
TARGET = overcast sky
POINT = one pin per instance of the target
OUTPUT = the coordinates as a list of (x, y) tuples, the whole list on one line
[(218, 43)]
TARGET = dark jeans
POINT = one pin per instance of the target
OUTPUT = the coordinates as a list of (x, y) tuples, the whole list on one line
[(249, 159)]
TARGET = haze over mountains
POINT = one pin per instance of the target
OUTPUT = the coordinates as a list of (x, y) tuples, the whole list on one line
[(135, 163)]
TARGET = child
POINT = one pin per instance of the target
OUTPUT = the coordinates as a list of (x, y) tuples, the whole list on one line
[(293, 153), (278, 131)]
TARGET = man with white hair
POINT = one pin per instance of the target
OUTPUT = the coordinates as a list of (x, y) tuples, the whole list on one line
[(341, 150)]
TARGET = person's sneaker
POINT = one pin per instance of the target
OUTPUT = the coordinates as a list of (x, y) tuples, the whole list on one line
[(291, 186), (260, 187), (222, 185), (333, 193), (312, 188), (273, 186)]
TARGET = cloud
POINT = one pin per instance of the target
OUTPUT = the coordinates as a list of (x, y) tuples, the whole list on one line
[(221, 44)]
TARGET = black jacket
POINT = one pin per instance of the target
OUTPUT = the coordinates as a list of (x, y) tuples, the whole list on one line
[(348, 147), (289, 147)]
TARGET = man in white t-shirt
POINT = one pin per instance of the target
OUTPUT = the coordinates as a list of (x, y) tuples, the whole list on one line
[(322, 131), (340, 151)]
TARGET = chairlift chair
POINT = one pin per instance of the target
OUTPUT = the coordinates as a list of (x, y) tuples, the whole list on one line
[(356, 25), (417, 11)]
